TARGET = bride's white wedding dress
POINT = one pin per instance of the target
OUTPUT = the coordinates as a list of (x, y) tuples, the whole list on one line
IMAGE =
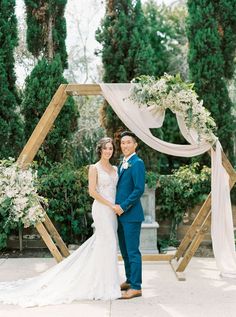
[(91, 272)]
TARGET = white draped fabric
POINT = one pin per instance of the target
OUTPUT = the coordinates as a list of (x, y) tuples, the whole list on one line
[(140, 120)]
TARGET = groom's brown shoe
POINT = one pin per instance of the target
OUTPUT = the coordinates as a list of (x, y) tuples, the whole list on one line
[(131, 293), (124, 286)]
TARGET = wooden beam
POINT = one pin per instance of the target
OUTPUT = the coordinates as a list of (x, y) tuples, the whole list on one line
[(154, 257), (195, 226), (195, 244), (83, 89), (43, 127), (49, 242), (229, 168), (55, 236), (180, 275)]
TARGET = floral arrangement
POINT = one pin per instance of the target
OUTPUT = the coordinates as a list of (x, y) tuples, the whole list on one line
[(170, 92), (18, 194)]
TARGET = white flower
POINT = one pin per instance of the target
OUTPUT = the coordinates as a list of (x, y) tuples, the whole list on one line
[(170, 92), (19, 186), (125, 165)]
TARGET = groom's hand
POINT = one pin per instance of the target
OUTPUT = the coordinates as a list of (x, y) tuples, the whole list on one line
[(118, 210)]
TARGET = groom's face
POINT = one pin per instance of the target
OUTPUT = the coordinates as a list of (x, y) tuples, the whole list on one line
[(128, 145)]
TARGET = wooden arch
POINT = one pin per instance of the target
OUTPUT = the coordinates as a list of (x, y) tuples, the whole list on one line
[(48, 232)]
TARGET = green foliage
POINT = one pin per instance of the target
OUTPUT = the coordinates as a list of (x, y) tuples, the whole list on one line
[(69, 202), (168, 37), (6, 227), (151, 179), (126, 51), (207, 50), (39, 15), (11, 126), (82, 148), (227, 29), (41, 85), (186, 187)]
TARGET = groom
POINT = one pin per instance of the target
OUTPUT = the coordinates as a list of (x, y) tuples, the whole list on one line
[(128, 207)]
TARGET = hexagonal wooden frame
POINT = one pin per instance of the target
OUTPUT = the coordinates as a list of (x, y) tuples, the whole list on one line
[(48, 232)]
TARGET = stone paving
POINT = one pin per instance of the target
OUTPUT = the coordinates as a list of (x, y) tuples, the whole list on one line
[(203, 294)]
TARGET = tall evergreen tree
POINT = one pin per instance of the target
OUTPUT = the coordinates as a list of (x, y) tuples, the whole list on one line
[(46, 28), (11, 127), (126, 51), (208, 52), (167, 28), (40, 87), (46, 40), (168, 39)]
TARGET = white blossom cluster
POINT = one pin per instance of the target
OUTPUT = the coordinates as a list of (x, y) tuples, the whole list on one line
[(170, 92), (18, 194)]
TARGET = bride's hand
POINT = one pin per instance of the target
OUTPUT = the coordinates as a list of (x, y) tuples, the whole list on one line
[(118, 210)]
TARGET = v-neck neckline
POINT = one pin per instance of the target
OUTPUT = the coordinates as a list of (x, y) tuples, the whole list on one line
[(110, 174)]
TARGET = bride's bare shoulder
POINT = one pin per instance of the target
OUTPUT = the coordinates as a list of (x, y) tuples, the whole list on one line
[(93, 167)]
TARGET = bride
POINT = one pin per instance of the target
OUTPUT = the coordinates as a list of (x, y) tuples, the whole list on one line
[(91, 272)]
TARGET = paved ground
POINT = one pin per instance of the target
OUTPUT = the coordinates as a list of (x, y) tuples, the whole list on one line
[(203, 294)]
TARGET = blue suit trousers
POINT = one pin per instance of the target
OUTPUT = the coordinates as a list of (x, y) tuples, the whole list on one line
[(129, 236)]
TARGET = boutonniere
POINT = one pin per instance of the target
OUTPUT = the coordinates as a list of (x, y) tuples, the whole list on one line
[(126, 165)]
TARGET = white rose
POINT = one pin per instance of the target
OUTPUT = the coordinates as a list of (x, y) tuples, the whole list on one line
[(125, 165)]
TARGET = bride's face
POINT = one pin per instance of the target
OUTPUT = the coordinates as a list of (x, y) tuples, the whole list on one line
[(107, 151)]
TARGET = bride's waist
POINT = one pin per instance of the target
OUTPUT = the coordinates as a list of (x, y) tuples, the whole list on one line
[(109, 198)]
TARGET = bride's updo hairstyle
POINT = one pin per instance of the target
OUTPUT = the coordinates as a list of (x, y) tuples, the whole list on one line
[(102, 144)]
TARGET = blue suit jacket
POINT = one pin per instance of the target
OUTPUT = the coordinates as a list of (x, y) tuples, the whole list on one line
[(130, 188)]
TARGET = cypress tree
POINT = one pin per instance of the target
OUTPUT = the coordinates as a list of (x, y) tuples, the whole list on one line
[(11, 127), (126, 52), (158, 29), (40, 87), (167, 37), (46, 28), (208, 68), (46, 41)]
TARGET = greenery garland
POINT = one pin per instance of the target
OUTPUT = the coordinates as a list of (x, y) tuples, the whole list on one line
[(171, 92), (18, 194)]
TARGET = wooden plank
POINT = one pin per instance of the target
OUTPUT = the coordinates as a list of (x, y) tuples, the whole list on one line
[(154, 257), (180, 275), (229, 168), (83, 89), (44, 125), (195, 244), (55, 236), (204, 210), (49, 242)]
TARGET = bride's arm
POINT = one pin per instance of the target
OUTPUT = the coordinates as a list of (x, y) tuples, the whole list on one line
[(92, 177)]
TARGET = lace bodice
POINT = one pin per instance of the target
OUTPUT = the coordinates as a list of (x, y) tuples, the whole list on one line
[(106, 185)]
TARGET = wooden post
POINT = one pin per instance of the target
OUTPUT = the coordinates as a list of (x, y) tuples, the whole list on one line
[(49, 242), (26, 157), (44, 125), (56, 237)]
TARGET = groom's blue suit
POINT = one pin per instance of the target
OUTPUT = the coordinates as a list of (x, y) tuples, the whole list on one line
[(130, 188)]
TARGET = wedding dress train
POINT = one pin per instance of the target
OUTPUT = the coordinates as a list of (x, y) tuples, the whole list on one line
[(91, 272)]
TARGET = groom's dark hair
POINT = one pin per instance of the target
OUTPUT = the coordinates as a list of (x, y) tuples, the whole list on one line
[(128, 133)]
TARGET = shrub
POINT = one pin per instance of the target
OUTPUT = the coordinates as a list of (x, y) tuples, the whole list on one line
[(185, 188), (69, 202)]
